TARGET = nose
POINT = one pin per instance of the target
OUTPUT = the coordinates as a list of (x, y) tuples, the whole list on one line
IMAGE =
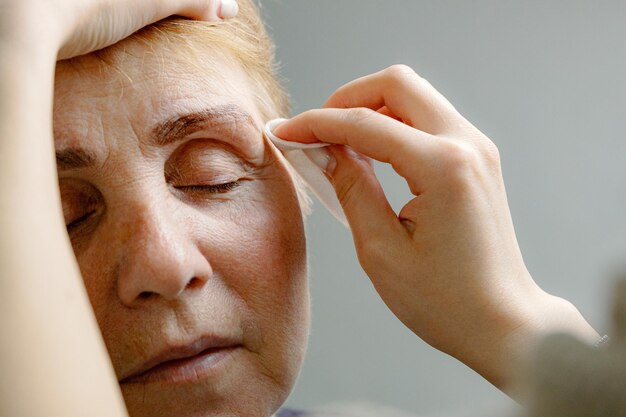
[(160, 257)]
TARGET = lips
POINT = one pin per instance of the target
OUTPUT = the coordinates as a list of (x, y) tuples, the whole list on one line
[(184, 363)]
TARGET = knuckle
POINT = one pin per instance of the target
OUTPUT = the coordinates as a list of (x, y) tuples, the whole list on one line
[(403, 78), (399, 75), (487, 150), (466, 165), (400, 71), (491, 153), (460, 161), (358, 115)]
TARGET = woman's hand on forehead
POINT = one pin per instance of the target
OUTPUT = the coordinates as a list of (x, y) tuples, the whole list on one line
[(101, 23), (78, 27), (34, 34)]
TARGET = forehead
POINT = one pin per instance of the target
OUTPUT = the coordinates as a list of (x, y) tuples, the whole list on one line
[(138, 86)]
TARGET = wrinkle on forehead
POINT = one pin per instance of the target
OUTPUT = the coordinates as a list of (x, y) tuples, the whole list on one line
[(114, 112), (134, 61)]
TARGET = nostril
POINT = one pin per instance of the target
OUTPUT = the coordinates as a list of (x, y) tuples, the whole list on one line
[(145, 295), (194, 283)]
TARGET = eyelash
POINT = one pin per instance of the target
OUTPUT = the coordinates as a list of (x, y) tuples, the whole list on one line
[(212, 188), (82, 219)]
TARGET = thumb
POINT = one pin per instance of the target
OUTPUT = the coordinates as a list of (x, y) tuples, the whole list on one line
[(372, 220)]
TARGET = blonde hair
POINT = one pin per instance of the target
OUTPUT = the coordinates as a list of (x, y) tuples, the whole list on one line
[(243, 38)]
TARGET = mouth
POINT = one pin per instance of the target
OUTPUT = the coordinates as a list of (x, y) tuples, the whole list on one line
[(187, 363)]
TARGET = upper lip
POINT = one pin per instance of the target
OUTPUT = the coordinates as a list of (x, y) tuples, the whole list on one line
[(180, 351)]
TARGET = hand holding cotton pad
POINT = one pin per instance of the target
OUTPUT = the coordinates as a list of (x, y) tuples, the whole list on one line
[(301, 156)]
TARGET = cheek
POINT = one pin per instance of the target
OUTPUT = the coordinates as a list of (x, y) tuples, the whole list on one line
[(97, 267), (265, 260), (267, 242), (265, 266)]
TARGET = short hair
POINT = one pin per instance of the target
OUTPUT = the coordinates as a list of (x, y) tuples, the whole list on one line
[(243, 38)]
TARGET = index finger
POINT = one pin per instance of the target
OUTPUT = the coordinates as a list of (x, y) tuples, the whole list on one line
[(368, 132), (405, 94)]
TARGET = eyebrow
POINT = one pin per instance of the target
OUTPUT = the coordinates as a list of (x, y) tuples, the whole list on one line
[(168, 132), (74, 158), (177, 128)]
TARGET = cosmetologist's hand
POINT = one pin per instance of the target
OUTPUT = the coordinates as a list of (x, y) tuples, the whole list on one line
[(448, 265), (77, 27)]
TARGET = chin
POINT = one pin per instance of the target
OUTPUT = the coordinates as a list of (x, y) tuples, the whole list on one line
[(239, 388)]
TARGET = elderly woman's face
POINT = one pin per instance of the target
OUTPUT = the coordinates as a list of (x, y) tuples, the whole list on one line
[(187, 230)]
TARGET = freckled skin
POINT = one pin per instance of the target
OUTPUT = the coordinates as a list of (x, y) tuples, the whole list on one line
[(164, 264)]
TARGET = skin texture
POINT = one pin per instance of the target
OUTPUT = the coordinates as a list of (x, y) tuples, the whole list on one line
[(166, 262), (448, 264)]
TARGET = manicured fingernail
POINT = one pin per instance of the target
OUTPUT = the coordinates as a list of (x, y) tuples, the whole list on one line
[(322, 158), (229, 9)]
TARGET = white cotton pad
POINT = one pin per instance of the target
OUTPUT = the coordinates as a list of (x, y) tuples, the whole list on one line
[(301, 156)]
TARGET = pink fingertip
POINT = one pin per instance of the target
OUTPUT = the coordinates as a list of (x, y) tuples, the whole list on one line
[(228, 9)]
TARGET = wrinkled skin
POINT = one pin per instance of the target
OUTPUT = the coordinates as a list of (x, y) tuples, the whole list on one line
[(200, 236)]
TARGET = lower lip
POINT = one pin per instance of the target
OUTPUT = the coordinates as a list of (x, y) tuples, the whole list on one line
[(195, 368)]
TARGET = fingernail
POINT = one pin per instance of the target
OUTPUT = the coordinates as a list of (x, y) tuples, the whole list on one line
[(322, 158), (229, 9)]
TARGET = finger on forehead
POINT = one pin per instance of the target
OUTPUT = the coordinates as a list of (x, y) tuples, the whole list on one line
[(208, 10), (405, 94), (366, 131)]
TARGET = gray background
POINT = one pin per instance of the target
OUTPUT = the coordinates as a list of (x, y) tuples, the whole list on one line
[(546, 82)]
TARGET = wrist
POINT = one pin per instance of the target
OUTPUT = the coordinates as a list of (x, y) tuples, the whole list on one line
[(508, 344), (28, 31)]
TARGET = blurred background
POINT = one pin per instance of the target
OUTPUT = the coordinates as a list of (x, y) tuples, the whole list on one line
[(546, 81)]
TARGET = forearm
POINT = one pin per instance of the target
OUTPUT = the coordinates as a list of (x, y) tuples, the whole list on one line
[(52, 357), (501, 352)]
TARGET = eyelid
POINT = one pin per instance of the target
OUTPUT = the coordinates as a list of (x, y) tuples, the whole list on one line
[(246, 143), (74, 224), (204, 161), (208, 182), (204, 177), (85, 206), (82, 203)]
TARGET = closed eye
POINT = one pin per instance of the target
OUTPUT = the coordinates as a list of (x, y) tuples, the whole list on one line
[(82, 219), (211, 188)]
